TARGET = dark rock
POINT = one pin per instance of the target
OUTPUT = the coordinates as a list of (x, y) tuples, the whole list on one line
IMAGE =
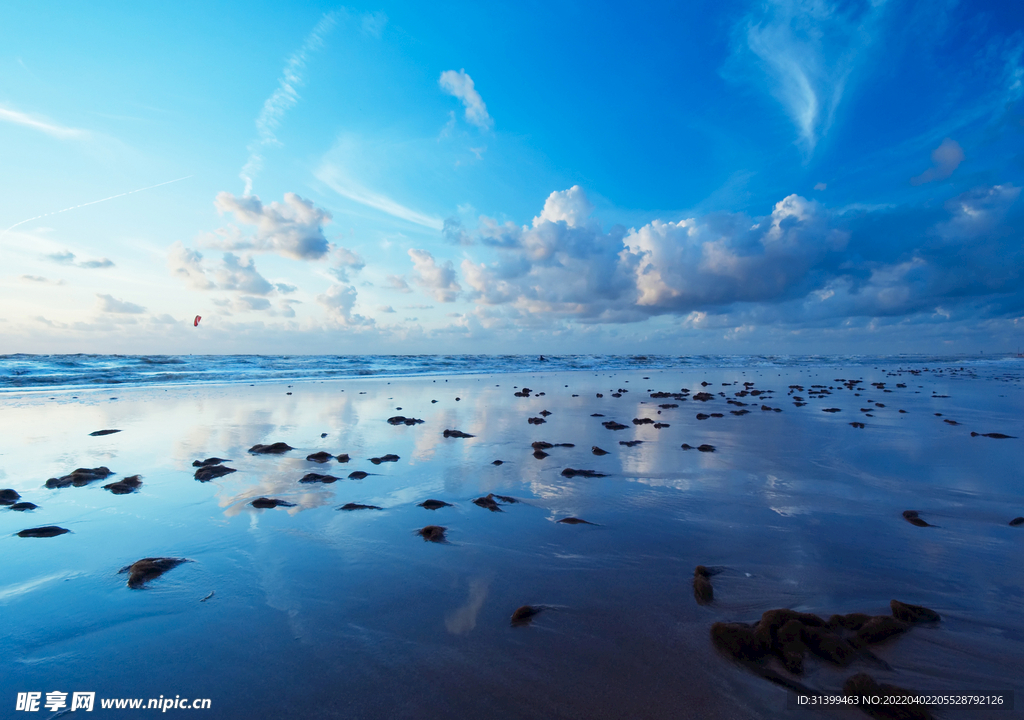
[(386, 458), (702, 416), (23, 506), (402, 420), (343, 458), (536, 421), (703, 593), (457, 434), (861, 685), (358, 506), (703, 396), (706, 448), (912, 613), (911, 516), (524, 615), (434, 504), (487, 502), (123, 487), (275, 449), (851, 621), (951, 422), (643, 421), (142, 571), (879, 628), (320, 457), (209, 461), (41, 532), (858, 424), (612, 425), (596, 415), (598, 451), (356, 475), (574, 521), (828, 645), (264, 502), (9, 496), (570, 472), (545, 413), (831, 410), (104, 432), (323, 435), (80, 477), (1017, 521), (739, 412), (503, 498), (631, 443), (541, 445), (433, 533), (739, 641), (318, 478), (539, 454), (205, 474), (997, 436), (498, 462)]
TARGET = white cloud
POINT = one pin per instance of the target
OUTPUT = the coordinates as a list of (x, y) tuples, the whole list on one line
[(282, 100), (332, 176), (293, 228), (339, 301), (438, 280), (945, 159), (68, 258), (110, 304), (460, 85), (396, 282), (808, 50), (188, 265), (38, 279), (240, 274), (344, 260), (20, 118)]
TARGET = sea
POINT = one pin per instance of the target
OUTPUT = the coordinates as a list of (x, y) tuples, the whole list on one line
[(23, 372)]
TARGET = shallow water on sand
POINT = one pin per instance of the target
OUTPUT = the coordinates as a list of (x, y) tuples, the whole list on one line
[(322, 613)]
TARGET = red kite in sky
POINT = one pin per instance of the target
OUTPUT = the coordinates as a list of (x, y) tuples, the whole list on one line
[(196, 323)]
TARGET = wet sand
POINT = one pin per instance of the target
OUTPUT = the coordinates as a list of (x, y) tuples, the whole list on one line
[(319, 613)]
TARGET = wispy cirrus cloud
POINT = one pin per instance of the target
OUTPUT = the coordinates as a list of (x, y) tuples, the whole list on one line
[(25, 120), (283, 98), (68, 258), (335, 179), (806, 50)]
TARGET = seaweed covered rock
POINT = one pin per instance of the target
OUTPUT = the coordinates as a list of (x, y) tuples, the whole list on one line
[(79, 477), (142, 571)]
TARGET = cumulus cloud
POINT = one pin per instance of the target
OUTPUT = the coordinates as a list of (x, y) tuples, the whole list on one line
[(68, 258), (339, 299), (438, 280), (800, 263), (344, 260), (109, 304), (460, 85), (454, 233), (240, 274), (396, 282), (293, 228), (945, 159)]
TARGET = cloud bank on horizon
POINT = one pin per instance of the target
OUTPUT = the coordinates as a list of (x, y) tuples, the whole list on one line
[(867, 175)]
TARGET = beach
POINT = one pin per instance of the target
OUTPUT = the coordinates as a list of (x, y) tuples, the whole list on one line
[(310, 611)]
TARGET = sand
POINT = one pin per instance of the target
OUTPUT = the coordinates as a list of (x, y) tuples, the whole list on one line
[(322, 613)]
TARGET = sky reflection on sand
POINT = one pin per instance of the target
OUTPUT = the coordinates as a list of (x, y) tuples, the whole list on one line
[(798, 508)]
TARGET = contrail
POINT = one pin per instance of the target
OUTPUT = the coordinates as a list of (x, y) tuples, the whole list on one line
[(75, 207)]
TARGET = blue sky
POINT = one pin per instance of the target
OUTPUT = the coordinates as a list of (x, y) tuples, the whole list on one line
[(781, 177)]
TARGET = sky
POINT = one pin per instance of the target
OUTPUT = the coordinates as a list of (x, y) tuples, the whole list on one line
[(782, 177)]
